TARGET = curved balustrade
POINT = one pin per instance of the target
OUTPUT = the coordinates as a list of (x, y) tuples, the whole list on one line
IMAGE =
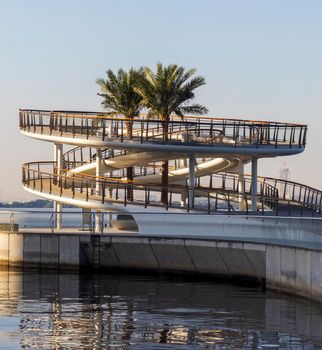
[(271, 187), (43, 177), (215, 191), (79, 156), (189, 130)]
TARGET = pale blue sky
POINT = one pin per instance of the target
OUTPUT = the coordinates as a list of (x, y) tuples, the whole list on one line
[(261, 59)]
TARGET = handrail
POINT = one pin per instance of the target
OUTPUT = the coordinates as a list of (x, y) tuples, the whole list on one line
[(286, 188), (206, 131), (114, 190), (106, 115)]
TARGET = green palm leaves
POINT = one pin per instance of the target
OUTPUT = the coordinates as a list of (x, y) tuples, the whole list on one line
[(119, 96), (167, 91)]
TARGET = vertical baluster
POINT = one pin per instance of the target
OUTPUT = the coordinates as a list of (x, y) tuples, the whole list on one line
[(276, 136), (285, 131)]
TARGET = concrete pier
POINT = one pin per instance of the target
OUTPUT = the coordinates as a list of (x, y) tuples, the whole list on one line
[(293, 269)]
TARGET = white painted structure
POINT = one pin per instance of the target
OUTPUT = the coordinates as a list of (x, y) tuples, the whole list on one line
[(212, 146)]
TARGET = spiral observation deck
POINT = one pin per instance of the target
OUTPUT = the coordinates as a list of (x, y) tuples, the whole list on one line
[(206, 163)]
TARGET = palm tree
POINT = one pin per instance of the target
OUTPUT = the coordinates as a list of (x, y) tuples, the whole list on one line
[(166, 92), (119, 97)]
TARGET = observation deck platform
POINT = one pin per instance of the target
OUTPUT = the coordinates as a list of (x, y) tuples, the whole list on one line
[(206, 158), (209, 217)]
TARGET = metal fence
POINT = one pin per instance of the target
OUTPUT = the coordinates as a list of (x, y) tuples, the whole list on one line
[(223, 197), (198, 130)]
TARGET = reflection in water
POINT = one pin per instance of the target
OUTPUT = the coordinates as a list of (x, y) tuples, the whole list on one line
[(71, 311)]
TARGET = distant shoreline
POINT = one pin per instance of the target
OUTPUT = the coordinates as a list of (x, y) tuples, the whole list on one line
[(38, 203)]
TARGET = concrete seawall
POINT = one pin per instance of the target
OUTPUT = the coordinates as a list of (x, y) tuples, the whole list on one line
[(292, 269)]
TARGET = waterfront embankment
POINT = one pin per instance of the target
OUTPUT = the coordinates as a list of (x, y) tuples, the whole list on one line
[(283, 267)]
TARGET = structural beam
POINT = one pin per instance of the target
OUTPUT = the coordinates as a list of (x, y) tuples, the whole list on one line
[(254, 185), (98, 189), (58, 206), (241, 185), (191, 181)]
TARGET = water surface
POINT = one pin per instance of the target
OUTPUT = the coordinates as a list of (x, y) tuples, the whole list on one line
[(101, 311)]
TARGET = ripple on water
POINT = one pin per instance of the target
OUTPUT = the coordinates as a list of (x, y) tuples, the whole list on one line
[(60, 311)]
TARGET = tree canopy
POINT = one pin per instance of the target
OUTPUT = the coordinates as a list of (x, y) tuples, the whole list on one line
[(169, 90), (118, 93)]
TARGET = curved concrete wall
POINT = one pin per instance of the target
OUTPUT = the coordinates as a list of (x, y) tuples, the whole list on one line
[(292, 269), (231, 226)]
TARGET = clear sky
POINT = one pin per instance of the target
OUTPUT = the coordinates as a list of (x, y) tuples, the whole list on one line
[(260, 59)]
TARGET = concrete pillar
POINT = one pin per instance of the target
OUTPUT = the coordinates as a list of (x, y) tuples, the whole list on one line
[(59, 215), (191, 182), (99, 173), (254, 184), (241, 185), (59, 159), (60, 155), (110, 218)]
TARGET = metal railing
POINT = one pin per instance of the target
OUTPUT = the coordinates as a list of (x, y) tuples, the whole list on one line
[(79, 156), (43, 177), (195, 130), (270, 187)]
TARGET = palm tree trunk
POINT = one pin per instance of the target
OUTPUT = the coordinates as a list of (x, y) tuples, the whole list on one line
[(129, 175), (129, 129)]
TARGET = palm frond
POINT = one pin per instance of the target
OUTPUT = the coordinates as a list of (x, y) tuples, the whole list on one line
[(118, 93), (169, 90)]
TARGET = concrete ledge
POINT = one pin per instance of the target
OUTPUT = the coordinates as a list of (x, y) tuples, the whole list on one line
[(49, 250), (316, 275), (69, 252), (172, 255), (16, 249), (31, 250), (9, 227), (135, 254), (4, 248), (303, 272), (296, 270), (108, 257), (288, 271), (206, 258), (236, 260)]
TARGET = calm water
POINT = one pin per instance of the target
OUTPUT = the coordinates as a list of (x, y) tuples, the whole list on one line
[(71, 311)]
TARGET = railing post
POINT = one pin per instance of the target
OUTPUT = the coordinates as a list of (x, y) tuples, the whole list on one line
[(254, 185), (58, 157), (241, 185), (192, 164), (98, 188)]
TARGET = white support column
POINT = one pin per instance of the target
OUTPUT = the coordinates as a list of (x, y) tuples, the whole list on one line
[(110, 218), (191, 182), (99, 173), (241, 185), (58, 206), (98, 170), (60, 156), (254, 184)]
